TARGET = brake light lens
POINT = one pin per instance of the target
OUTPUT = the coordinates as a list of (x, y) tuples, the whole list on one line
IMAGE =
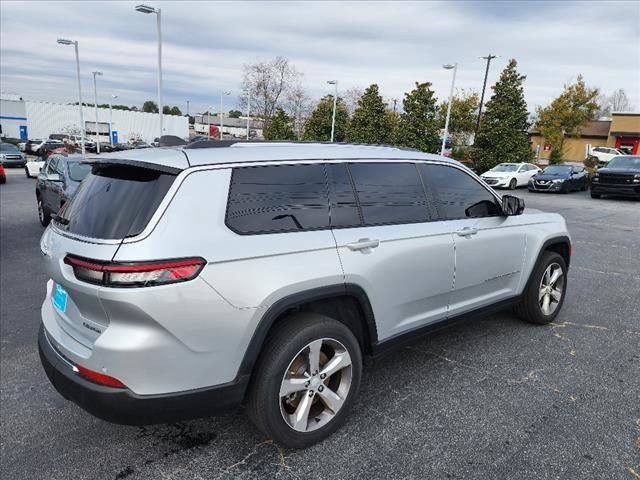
[(135, 274), (97, 377)]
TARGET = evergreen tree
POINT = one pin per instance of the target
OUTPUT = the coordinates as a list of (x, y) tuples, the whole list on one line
[(370, 122), (318, 125), (418, 122), (503, 136), (279, 128)]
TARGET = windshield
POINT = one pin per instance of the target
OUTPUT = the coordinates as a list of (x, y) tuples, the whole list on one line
[(505, 167), (557, 170), (77, 171), (8, 148), (625, 162)]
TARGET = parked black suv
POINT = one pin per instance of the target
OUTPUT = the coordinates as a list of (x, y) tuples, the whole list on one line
[(57, 181), (621, 177)]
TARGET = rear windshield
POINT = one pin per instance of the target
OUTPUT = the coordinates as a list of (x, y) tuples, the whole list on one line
[(114, 201)]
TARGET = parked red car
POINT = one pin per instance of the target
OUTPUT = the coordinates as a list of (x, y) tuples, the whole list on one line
[(3, 176)]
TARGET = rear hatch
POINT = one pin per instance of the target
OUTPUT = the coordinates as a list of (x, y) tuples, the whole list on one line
[(114, 202)]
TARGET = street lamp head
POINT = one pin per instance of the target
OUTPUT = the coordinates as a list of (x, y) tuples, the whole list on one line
[(448, 66), (146, 9), (65, 41), (114, 96), (227, 93), (332, 82), (97, 73)]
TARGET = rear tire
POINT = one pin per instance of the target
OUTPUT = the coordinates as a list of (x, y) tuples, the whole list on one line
[(26, 172), (286, 360), (544, 295), (43, 214)]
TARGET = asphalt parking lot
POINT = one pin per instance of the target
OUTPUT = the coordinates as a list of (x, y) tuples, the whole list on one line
[(490, 398)]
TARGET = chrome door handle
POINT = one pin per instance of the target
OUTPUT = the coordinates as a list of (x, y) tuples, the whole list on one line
[(362, 244), (466, 232)]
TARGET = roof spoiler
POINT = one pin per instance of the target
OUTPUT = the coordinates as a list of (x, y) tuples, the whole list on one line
[(95, 161)]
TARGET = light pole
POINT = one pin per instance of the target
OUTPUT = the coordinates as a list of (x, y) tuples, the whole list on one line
[(248, 110), (95, 96), (335, 99), (158, 12), (488, 58), (446, 122), (64, 41), (221, 112), (113, 97)]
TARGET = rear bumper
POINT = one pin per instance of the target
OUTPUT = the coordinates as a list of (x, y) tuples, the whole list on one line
[(14, 163), (122, 406), (621, 190)]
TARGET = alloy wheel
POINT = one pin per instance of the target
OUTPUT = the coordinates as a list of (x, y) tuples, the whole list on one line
[(40, 211), (315, 385), (551, 289)]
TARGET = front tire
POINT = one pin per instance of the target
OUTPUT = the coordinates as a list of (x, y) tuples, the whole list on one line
[(26, 172), (594, 195), (513, 184), (307, 378), (544, 295)]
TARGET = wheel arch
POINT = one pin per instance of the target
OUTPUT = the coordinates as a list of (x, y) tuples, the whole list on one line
[(348, 302), (560, 244)]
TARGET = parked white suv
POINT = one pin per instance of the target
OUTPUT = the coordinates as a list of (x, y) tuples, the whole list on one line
[(510, 175), (604, 154), (188, 280)]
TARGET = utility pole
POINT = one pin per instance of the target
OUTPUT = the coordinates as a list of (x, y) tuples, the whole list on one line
[(488, 58), (187, 108), (395, 100)]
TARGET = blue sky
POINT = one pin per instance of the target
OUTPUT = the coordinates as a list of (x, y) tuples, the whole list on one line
[(392, 44)]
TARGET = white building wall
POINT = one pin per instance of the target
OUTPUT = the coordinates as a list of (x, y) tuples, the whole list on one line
[(46, 118), (12, 117)]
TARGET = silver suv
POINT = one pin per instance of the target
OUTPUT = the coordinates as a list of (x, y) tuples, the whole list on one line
[(184, 281)]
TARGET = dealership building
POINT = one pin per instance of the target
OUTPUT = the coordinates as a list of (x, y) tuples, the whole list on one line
[(622, 131), (24, 119)]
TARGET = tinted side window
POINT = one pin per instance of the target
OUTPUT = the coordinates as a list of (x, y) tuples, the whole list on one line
[(53, 164), (458, 195), (344, 211), (389, 193), (278, 198)]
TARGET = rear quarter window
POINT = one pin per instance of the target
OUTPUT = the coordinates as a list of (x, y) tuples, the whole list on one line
[(278, 198)]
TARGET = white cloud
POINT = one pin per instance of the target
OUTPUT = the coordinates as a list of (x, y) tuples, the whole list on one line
[(392, 44)]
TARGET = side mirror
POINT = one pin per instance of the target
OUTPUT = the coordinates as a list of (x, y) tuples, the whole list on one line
[(512, 205), (54, 177)]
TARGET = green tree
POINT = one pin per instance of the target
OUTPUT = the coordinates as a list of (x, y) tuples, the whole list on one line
[(462, 121), (150, 107), (370, 122), (418, 126), (279, 128), (318, 125), (235, 113), (175, 111), (503, 134), (566, 115)]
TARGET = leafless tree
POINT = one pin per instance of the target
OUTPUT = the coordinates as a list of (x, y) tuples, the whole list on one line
[(270, 83), (351, 98), (616, 102), (299, 107)]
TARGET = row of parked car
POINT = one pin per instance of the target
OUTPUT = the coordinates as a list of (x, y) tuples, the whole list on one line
[(620, 177)]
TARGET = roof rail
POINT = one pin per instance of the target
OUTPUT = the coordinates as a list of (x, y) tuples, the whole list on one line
[(207, 143)]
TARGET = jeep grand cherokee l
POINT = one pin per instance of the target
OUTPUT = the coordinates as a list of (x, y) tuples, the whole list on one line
[(188, 280)]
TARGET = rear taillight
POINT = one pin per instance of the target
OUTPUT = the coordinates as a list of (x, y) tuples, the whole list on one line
[(98, 377), (135, 274)]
